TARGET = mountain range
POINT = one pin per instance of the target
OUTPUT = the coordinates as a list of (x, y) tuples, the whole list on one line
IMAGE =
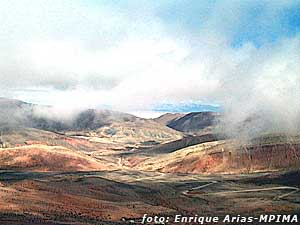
[(94, 166)]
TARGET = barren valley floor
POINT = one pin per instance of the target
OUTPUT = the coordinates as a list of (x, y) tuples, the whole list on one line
[(121, 196)]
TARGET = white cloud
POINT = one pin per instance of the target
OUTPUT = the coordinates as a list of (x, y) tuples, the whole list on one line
[(82, 56)]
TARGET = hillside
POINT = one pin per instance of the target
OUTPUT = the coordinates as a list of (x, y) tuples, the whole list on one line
[(166, 118), (17, 113), (88, 119), (86, 130), (224, 156), (40, 157), (140, 132), (196, 122), (183, 143)]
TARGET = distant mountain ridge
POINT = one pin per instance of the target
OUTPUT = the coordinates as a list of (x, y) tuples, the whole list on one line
[(188, 107), (168, 127), (18, 113), (101, 126), (166, 118), (194, 122)]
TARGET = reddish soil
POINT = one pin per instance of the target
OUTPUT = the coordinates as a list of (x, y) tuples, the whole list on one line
[(133, 161), (47, 158), (76, 199), (244, 159)]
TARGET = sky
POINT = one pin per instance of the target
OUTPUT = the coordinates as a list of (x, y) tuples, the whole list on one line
[(152, 56)]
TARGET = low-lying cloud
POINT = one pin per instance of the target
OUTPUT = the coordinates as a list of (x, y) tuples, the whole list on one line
[(132, 58)]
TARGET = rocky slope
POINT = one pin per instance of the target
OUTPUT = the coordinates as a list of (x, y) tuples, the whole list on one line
[(225, 156), (38, 157), (197, 122), (165, 119)]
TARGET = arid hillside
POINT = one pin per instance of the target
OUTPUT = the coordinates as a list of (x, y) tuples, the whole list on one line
[(38, 157), (140, 133), (17, 113), (223, 156), (165, 119), (195, 123)]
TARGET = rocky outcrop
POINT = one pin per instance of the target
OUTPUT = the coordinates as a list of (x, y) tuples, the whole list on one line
[(241, 160), (264, 157)]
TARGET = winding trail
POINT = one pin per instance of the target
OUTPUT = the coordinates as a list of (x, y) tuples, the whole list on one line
[(190, 191), (187, 192)]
